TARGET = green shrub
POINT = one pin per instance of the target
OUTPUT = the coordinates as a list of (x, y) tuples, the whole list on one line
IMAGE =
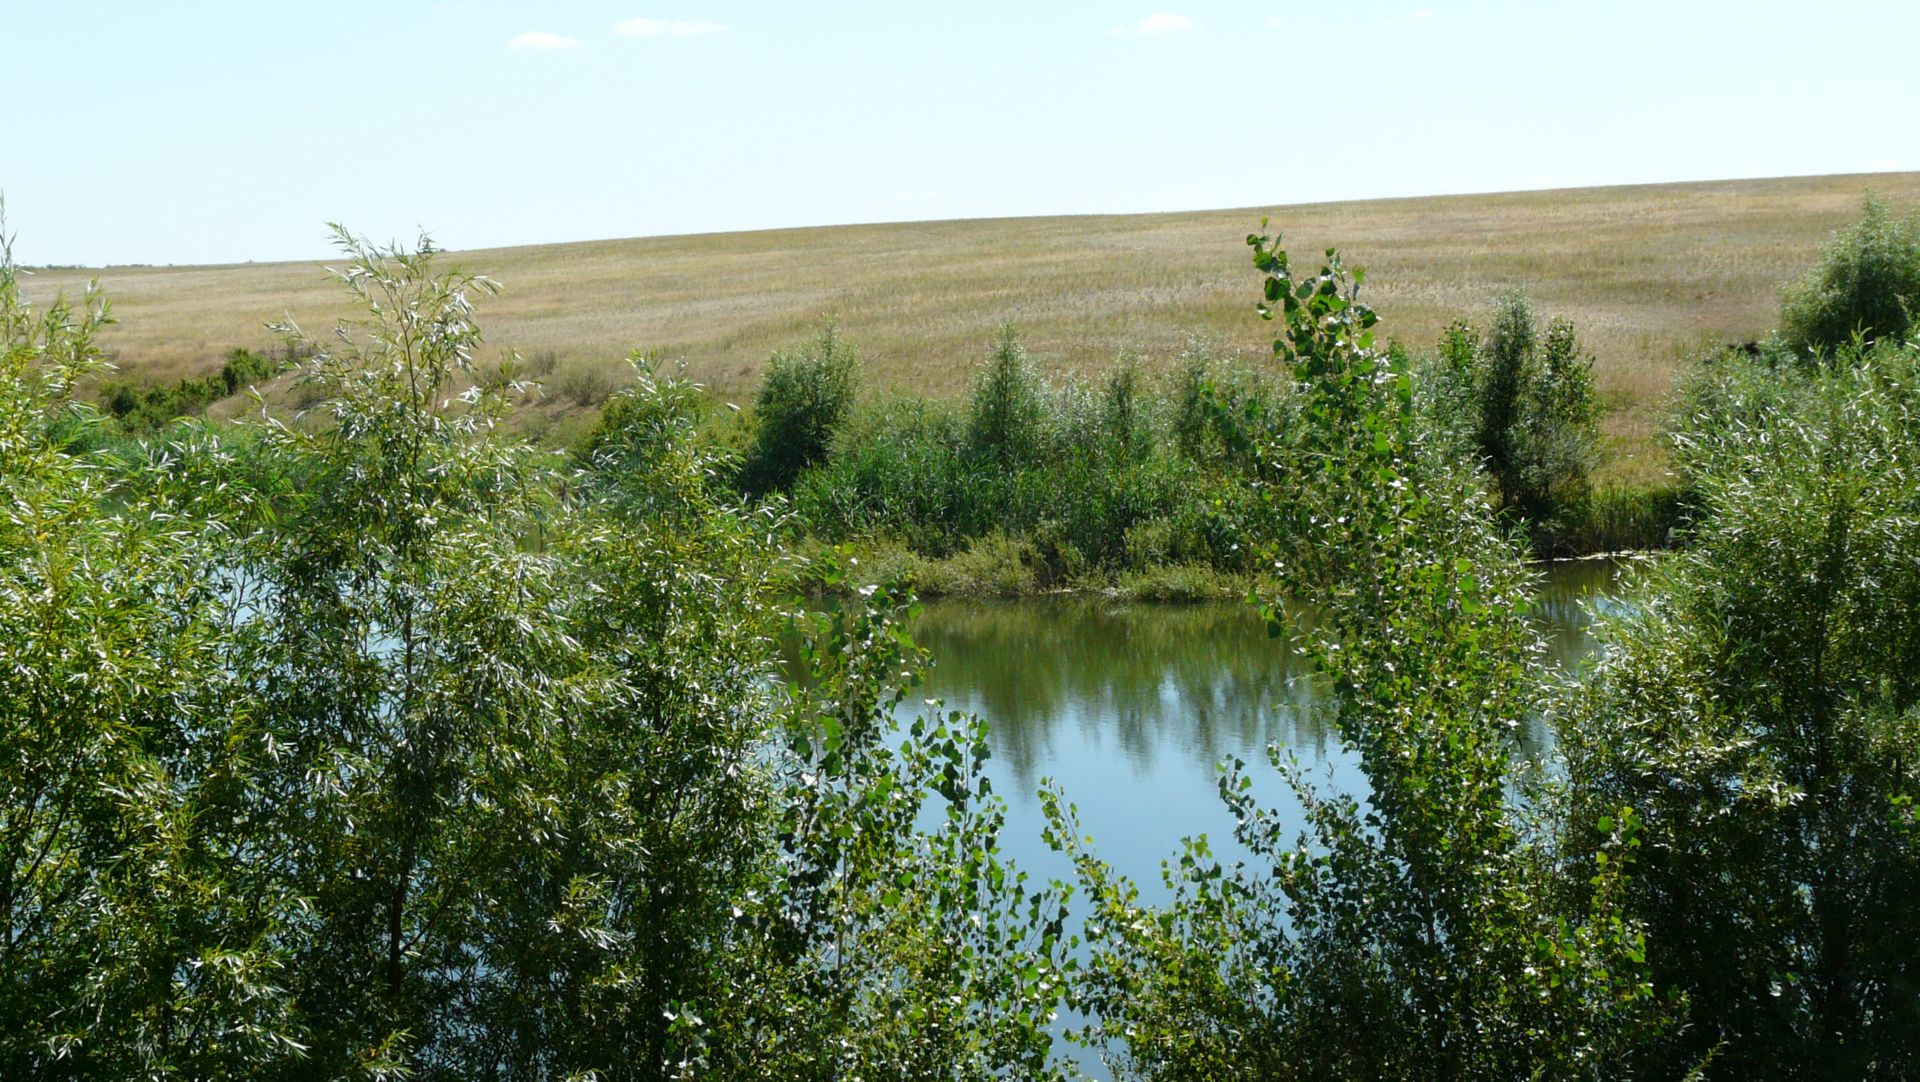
[(1006, 419), (907, 470), (900, 468), (643, 449), (1124, 420), (1867, 283), (145, 408), (1556, 444), (1760, 707), (1218, 411), (804, 399), (384, 745), (244, 368), (588, 382), (1527, 401), (1503, 371), (1449, 385)]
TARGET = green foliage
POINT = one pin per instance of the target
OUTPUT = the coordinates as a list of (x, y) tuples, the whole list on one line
[(1615, 519), (1761, 708), (147, 408), (1522, 402), (1124, 420), (804, 400), (244, 368), (1555, 442), (383, 745), (1099, 462), (132, 931), (1169, 582), (647, 452), (1502, 375), (1220, 412), (881, 949), (1418, 937), (1446, 388), (1866, 284), (1005, 420)]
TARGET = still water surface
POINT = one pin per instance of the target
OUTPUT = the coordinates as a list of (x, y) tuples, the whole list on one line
[(1130, 708)]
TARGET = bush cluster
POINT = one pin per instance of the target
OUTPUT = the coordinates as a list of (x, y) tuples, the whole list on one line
[(1093, 479), (804, 400), (145, 408), (1714, 884), (385, 746), (1760, 708), (1523, 402)]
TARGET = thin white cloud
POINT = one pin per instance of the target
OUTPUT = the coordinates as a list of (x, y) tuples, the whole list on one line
[(1396, 22), (1155, 24), (665, 28), (540, 39)]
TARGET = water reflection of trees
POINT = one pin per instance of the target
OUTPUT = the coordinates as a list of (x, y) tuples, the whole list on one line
[(1203, 681), (1199, 680), (1567, 591)]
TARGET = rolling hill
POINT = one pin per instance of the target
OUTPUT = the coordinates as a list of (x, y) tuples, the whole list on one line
[(1650, 274)]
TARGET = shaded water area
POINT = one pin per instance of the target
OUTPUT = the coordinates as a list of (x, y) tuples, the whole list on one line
[(1130, 708)]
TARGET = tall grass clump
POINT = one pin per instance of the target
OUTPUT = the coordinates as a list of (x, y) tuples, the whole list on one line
[(1866, 284), (1615, 519)]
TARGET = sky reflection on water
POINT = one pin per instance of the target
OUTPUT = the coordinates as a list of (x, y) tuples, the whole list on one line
[(1131, 708)]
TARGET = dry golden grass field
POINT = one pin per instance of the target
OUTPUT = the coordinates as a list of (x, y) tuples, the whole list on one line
[(1650, 274)]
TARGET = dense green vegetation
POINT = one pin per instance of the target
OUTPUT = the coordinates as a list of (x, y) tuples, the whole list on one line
[(1867, 285), (1522, 402), (1761, 710), (147, 408), (1424, 934), (1034, 484), (381, 745), (375, 743), (803, 404), (1051, 485)]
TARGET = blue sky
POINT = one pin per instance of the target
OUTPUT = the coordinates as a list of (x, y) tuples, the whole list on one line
[(185, 133)]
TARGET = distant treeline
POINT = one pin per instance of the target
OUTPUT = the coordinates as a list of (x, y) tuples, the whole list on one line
[(1154, 484)]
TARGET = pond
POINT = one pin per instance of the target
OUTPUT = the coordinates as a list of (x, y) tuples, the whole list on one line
[(1130, 708)]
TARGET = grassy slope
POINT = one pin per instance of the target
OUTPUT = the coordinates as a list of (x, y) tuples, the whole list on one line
[(1649, 273)]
